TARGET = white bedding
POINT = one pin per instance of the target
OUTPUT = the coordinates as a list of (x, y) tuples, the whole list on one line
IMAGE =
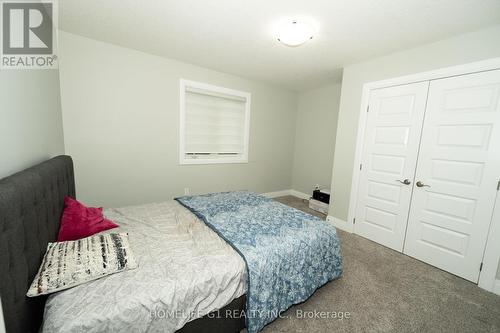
[(185, 271)]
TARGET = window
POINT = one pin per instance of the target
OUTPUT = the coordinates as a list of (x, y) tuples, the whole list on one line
[(214, 124)]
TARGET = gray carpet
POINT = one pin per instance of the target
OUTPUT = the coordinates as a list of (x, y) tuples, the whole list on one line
[(386, 291)]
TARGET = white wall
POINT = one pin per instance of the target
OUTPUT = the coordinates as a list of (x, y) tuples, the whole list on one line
[(30, 118), (461, 49), (317, 112), (121, 125)]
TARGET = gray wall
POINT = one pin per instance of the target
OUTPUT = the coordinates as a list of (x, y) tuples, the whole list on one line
[(461, 49), (30, 118), (317, 112), (121, 125)]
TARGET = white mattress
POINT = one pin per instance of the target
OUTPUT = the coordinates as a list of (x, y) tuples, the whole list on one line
[(185, 271)]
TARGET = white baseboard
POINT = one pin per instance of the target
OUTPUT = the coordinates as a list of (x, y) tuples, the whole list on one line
[(341, 224), (277, 193), (496, 288), (300, 194), (286, 192)]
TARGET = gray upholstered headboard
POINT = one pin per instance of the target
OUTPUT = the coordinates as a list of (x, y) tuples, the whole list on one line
[(31, 204)]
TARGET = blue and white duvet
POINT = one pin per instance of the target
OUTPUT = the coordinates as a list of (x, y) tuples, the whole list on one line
[(289, 254)]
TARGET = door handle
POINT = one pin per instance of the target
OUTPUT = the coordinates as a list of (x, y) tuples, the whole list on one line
[(420, 184), (406, 181)]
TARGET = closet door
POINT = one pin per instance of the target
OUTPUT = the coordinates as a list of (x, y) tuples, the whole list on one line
[(390, 150), (457, 174)]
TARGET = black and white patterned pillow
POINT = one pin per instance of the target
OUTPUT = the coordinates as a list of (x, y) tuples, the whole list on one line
[(71, 263)]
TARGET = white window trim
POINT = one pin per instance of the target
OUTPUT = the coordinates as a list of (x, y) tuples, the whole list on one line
[(184, 84)]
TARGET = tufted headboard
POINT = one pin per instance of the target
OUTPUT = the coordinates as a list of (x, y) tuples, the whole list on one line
[(31, 204)]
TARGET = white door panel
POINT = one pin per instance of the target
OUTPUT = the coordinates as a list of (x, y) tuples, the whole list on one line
[(389, 154), (459, 160)]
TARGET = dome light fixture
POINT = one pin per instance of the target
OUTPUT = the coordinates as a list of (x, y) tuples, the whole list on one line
[(295, 33)]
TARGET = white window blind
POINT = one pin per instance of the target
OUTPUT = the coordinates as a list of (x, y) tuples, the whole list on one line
[(215, 124)]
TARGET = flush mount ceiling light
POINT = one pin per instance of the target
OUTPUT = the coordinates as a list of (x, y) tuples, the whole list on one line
[(295, 33)]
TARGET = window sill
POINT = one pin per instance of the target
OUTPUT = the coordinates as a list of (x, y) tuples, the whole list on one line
[(213, 161)]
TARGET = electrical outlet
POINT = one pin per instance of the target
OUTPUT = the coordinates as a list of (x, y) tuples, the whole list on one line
[(317, 187), (187, 191)]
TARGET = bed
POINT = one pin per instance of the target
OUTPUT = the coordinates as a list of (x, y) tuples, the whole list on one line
[(31, 204), (193, 275), (185, 271)]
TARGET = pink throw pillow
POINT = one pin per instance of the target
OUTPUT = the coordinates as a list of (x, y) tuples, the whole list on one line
[(79, 221)]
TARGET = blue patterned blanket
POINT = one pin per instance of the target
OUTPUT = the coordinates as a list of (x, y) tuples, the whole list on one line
[(289, 254)]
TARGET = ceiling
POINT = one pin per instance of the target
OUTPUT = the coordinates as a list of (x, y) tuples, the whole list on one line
[(237, 36)]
